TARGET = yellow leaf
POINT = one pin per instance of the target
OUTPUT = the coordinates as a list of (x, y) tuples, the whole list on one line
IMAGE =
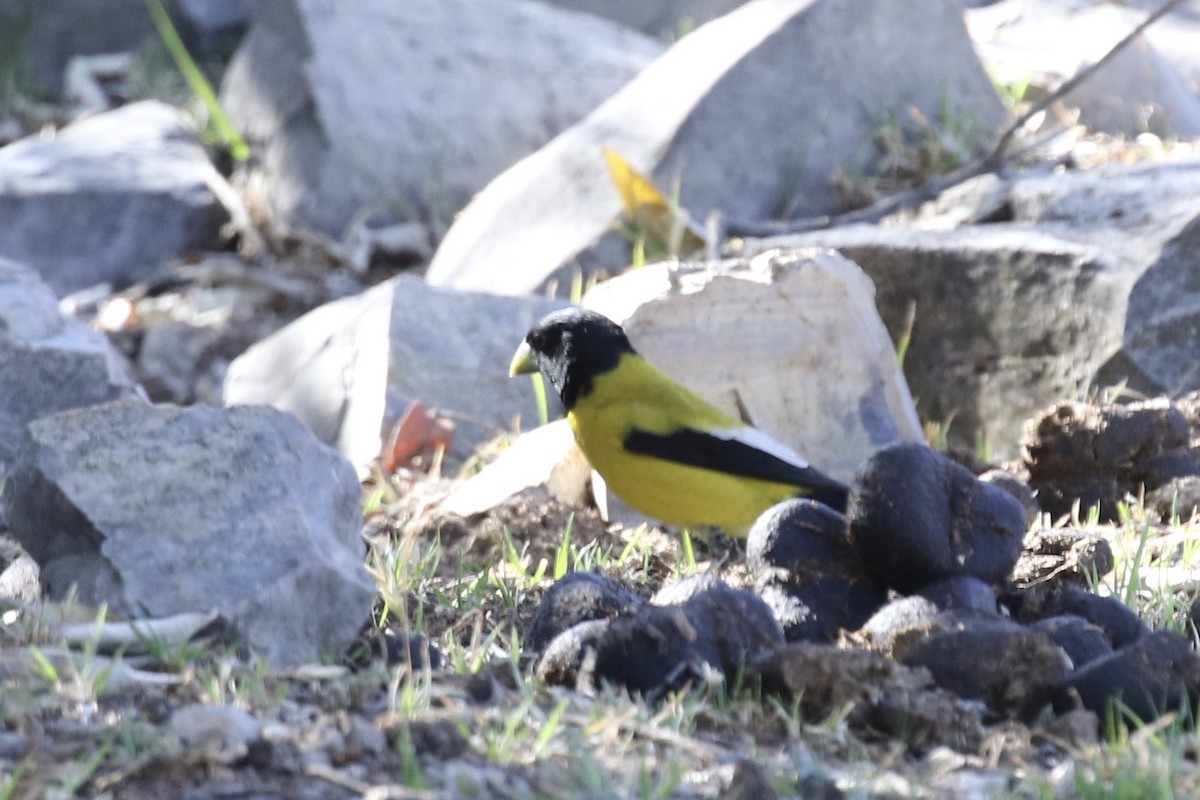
[(654, 220), (637, 191)]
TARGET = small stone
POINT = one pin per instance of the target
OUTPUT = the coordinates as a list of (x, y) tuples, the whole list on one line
[(363, 737), (439, 739), (411, 650), (13, 746), (1075, 730), (224, 732), (20, 580)]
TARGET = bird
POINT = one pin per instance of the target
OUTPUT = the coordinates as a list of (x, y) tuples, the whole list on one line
[(661, 448)]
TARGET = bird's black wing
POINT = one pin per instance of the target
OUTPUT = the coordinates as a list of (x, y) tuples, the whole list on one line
[(730, 455)]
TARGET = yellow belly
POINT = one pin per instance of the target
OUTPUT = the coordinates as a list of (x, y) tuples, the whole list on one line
[(688, 497), (685, 496)]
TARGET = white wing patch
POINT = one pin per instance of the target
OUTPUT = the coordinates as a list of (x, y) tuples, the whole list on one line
[(755, 438)]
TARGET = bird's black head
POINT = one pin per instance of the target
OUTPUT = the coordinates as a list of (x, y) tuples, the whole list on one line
[(571, 347)]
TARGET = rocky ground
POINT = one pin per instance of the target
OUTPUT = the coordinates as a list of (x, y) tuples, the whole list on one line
[(967, 639), (194, 719)]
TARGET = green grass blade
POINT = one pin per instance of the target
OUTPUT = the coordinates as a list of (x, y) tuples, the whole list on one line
[(563, 554), (227, 133), (44, 667)]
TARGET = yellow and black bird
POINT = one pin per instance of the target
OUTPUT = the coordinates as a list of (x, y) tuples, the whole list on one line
[(662, 449)]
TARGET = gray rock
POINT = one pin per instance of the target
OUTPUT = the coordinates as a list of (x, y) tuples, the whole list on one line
[(410, 108), (173, 358), (158, 510), (1174, 35), (661, 18), (108, 199), (1162, 326), (1138, 91), (753, 113), (46, 34), (992, 318), (351, 368), (48, 362), (1016, 314), (224, 732)]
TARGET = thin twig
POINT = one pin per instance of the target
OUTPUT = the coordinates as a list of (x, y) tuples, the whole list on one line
[(994, 160), (996, 156)]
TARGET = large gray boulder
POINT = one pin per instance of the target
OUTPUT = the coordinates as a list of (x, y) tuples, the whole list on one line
[(110, 198), (1036, 305), (410, 108), (350, 369), (995, 310), (48, 362), (159, 510), (753, 113)]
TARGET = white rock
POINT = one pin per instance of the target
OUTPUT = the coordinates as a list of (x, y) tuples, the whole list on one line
[(19, 580), (546, 456)]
